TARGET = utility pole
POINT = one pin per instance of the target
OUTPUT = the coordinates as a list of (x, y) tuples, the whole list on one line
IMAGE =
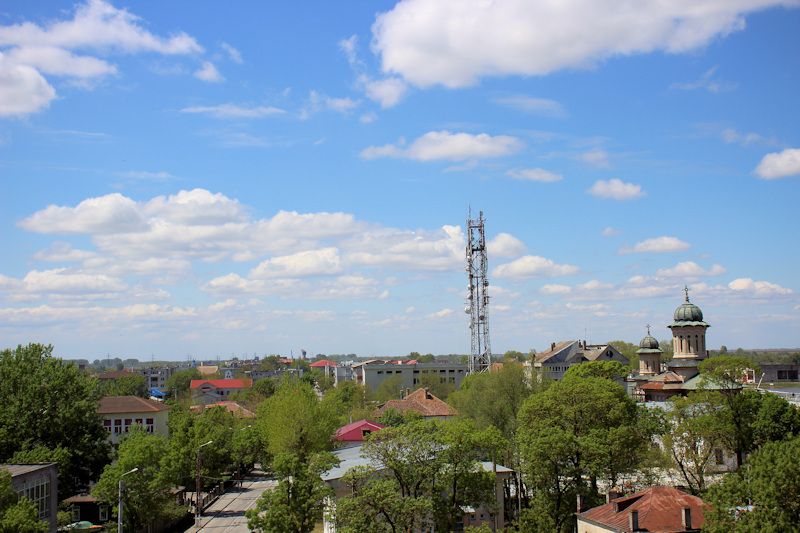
[(119, 502), (478, 299), (198, 506)]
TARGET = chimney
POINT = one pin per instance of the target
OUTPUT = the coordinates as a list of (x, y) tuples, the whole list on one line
[(613, 493), (552, 346), (686, 518), (581, 503), (633, 521)]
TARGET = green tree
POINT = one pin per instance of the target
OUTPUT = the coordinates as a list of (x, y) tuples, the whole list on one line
[(435, 385), (147, 497), (628, 350), (578, 429), (17, 515), (50, 408), (134, 385), (776, 419), (762, 496), (297, 502), (514, 355), (697, 429), (388, 389), (613, 370), (179, 382)]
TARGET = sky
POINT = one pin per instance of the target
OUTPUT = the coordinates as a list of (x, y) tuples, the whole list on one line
[(264, 177)]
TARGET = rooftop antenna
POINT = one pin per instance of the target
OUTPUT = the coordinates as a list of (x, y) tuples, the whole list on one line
[(478, 299)]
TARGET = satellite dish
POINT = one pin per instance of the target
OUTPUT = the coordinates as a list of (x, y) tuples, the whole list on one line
[(467, 309)]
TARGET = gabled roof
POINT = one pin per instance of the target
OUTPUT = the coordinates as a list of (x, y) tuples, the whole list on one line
[(235, 408), (129, 404), (422, 402), (660, 510), (322, 363), (361, 424), (207, 370), (223, 383), (568, 351)]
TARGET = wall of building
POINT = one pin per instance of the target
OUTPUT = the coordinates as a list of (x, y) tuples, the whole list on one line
[(372, 375), (118, 424), (41, 487)]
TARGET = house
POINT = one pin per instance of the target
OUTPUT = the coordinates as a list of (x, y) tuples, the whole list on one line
[(373, 372), (555, 362), (655, 510), (85, 507), (206, 391), (420, 401), (233, 407), (119, 413), (357, 431), (156, 377), (326, 366), (350, 457), (38, 483)]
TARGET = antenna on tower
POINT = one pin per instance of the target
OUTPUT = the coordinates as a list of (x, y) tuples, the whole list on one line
[(478, 299)]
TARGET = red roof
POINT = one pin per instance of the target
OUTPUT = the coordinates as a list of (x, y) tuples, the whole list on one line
[(129, 404), (355, 430), (422, 402), (322, 363), (660, 509), (223, 383)]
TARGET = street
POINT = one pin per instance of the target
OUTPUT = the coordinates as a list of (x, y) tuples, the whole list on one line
[(227, 514)]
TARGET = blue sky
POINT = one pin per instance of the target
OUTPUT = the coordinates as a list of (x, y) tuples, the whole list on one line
[(275, 176)]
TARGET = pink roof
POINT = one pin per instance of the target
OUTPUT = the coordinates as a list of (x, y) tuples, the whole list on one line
[(223, 383), (343, 432), (322, 363)]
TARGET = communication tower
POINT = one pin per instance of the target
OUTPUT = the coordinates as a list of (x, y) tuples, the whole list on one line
[(478, 299)]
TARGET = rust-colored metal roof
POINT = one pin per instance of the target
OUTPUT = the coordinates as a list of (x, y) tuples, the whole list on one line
[(322, 363), (129, 404), (422, 402), (660, 510)]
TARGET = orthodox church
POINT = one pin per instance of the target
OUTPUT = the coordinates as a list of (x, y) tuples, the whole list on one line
[(682, 372)]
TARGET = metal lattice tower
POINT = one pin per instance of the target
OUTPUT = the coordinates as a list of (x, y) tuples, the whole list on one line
[(478, 300)]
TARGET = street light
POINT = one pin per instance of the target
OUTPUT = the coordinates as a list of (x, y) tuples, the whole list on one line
[(119, 503), (198, 509)]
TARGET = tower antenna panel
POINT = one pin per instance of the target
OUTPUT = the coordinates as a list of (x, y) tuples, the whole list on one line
[(480, 358)]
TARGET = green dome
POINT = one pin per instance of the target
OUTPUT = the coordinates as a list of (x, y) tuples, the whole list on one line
[(649, 343), (688, 312)]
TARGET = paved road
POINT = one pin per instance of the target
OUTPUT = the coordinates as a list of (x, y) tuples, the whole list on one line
[(226, 515)]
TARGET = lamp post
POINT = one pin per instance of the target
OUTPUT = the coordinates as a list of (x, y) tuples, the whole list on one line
[(119, 503), (198, 509)]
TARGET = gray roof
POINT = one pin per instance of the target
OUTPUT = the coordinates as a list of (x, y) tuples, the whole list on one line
[(17, 470)]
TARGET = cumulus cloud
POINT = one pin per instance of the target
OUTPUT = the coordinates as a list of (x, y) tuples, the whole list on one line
[(208, 72), (443, 313), (534, 174), (388, 92), (234, 111), (112, 213), (690, 269), (535, 106), (531, 266), (658, 245), (30, 50), (758, 288), (447, 146), (62, 252), (518, 37), (322, 262), (779, 164), (616, 189), (555, 289), (505, 245)]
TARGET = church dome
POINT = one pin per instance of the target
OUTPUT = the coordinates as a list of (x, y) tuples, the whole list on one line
[(649, 343), (688, 312)]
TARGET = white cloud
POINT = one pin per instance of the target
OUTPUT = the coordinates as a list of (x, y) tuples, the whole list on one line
[(534, 174), (731, 136), (439, 250), (658, 245), (447, 146), (593, 285), (234, 111), (22, 90), (208, 72), (609, 232), (195, 207), (706, 82), (758, 288), (518, 37), (322, 262), (112, 213), (159, 175), (368, 118), (444, 313), (32, 49), (555, 289), (388, 92), (616, 189), (60, 252), (505, 245), (595, 157), (321, 102), (530, 266), (533, 105), (690, 269), (233, 53), (779, 164)]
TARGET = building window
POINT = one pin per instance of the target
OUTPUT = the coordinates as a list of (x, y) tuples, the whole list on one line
[(107, 425), (718, 457), (39, 494), (149, 425), (117, 426), (76, 513), (128, 422), (104, 513)]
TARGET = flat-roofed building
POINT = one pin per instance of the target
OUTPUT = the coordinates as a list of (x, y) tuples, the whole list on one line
[(373, 372), (38, 483)]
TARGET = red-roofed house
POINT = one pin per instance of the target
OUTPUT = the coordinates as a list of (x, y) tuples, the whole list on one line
[(422, 402), (656, 510), (356, 431), (206, 391), (327, 367)]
